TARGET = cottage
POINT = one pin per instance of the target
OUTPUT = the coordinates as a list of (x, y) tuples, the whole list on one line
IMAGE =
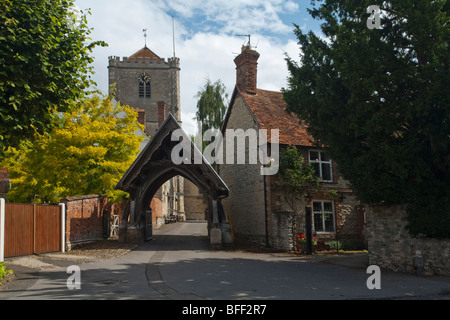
[(257, 207)]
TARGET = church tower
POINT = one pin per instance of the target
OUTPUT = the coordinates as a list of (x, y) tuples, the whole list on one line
[(149, 83)]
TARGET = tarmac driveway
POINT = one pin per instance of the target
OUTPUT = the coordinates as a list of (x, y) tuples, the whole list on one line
[(178, 265)]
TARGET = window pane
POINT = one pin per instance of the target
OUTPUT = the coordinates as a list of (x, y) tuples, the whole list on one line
[(327, 207), (317, 207), (326, 172), (318, 224), (141, 89), (147, 90), (324, 157), (329, 222), (317, 169), (313, 155)]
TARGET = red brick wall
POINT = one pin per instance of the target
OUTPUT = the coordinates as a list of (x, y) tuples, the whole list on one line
[(161, 112), (157, 209), (84, 218)]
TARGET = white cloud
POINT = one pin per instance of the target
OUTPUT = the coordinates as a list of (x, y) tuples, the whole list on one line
[(291, 6), (237, 16), (207, 52)]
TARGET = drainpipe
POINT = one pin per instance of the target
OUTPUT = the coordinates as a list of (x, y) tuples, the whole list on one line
[(265, 211), (2, 229)]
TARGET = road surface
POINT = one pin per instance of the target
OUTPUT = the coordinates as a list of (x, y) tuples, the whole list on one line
[(179, 265)]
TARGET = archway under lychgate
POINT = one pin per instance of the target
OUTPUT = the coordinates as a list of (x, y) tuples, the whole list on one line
[(153, 167)]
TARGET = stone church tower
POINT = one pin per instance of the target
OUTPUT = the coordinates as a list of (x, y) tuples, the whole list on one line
[(151, 85), (147, 82)]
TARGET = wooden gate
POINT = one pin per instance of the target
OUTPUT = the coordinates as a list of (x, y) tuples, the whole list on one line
[(31, 229)]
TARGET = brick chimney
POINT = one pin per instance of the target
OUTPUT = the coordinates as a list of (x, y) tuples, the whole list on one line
[(141, 117), (161, 112), (246, 69)]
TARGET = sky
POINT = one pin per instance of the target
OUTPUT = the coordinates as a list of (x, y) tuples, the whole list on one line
[(207, 39)]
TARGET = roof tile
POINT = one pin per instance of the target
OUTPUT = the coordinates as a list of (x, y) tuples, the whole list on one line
[(269, 110)]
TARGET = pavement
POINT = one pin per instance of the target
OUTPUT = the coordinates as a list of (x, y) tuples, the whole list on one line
[(178, 264)]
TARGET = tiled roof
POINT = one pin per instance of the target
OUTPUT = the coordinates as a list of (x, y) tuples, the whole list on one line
[(145, 53), (269, 110)]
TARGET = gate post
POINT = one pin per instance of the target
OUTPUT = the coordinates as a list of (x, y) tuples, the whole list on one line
[(63, 227), (2, 229)]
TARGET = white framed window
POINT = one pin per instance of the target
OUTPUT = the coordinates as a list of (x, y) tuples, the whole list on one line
[(323, 216), (322, 165)]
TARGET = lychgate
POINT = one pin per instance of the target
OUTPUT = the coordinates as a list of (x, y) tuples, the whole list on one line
[(152, 168)]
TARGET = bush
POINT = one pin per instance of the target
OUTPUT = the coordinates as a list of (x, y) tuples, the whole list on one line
[(3, 272)]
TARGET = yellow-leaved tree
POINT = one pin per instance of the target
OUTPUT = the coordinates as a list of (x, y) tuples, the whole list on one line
[(87, 153)]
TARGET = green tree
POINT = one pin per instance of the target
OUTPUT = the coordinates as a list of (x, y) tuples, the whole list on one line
[(45, 62), (379, 100), (211, 105), (87, 153)]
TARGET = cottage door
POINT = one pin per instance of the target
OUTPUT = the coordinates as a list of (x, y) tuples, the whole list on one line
[(148, 225)]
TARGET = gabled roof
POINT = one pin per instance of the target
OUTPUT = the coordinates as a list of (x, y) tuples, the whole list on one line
[(155, 161), (268, 108), (145, 53)]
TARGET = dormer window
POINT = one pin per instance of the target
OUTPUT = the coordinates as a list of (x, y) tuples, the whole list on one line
[(145, 90)]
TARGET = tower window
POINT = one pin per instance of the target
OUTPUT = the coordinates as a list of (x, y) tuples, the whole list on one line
[(145, 89)]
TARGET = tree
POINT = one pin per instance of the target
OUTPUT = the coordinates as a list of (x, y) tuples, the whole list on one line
[(44, 64), (87, 153), (211, 105), (379, 100)]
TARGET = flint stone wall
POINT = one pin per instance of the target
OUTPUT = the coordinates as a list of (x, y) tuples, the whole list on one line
[(392, 247)]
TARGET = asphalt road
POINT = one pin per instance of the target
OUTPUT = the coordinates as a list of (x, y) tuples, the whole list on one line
[(179, 265)]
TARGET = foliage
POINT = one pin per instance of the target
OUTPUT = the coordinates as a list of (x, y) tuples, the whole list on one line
[(296, 173), (297, 176), (379, 100), (211, 105), (4, 272), (44, 64), (87, 153)]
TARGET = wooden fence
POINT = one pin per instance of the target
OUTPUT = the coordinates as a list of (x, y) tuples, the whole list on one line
[(30, 229)]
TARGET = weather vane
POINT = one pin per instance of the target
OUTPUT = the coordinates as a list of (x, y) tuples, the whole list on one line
[(145, 36)]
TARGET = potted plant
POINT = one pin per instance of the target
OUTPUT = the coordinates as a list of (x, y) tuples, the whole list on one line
[(301, 242)]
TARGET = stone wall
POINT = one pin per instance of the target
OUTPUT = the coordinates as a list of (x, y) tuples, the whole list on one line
[(245, 203), (392, 247), (282, 231), (195, 204), (165, 86)]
